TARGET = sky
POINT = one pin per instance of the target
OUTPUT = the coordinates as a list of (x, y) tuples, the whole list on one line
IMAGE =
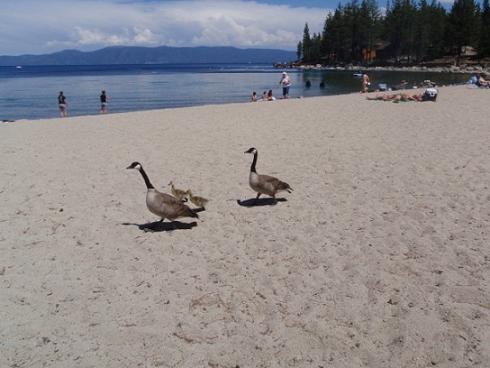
[(45, 26)]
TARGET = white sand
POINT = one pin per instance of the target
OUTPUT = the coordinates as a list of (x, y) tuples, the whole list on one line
[(379, 258)]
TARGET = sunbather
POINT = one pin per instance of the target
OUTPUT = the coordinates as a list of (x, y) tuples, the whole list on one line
[(397, 97), (481, 82), (430, 94)]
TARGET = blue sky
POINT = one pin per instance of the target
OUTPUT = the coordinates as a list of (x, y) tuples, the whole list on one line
[(43, 26)]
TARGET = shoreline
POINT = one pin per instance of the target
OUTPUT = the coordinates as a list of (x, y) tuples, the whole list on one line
[(9, 121), (418, 69)]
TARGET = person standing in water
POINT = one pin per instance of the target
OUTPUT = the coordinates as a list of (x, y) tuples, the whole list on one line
[(365, 83), (62, 105), (285, 82), (103, 102)]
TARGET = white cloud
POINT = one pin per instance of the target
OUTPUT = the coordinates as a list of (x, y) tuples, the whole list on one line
[(144, 36), (50, 25)]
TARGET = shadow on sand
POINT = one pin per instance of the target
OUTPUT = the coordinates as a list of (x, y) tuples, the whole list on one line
[(159, 226), (253, 202)]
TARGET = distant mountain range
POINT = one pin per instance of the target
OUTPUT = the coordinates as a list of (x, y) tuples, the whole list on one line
[(152, 55)]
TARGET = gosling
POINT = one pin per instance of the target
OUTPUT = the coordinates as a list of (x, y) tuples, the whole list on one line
[(199, 202), (180, 194)]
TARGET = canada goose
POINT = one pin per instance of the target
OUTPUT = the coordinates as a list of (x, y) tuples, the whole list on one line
[(197, 201), (181, 195), (161, 204), (264, 184)]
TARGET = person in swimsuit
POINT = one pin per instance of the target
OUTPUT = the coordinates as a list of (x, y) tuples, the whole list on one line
[(62, 105), (269, 96), (103, 103), (365, 83), (400, 97)]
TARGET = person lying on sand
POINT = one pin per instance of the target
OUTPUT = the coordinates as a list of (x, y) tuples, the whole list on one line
[(397, 97), (481, 82), (430, 94)]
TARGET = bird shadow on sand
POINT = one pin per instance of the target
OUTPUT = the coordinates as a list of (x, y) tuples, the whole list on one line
[(253, 202), (198, 209), (158, 226)]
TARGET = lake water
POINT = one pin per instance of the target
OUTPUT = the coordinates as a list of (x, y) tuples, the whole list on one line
[(31, 92)]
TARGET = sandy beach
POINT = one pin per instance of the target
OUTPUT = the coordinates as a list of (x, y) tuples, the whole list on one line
[(379, 258)]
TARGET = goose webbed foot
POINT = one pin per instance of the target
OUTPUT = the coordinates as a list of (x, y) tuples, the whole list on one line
[(257, 198)]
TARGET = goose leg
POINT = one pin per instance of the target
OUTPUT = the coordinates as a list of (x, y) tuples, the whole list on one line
[(257, 198)]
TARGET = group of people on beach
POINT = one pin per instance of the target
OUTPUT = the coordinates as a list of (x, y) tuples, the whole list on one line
[(285, 82), (480, 81), (266, 96), (63, 106), (429, 94)]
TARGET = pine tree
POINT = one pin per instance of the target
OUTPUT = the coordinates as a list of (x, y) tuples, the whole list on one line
[(463, 25), (339, 35), (325, 43), (423, 29), (306, 44), (400, 28), (438, 20), (369, 16), (484, 42), (315, 48)]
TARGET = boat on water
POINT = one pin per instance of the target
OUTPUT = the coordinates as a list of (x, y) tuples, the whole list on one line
[(18, 67), (358, 74)]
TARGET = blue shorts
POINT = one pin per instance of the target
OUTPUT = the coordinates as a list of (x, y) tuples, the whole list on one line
[(285, 91)]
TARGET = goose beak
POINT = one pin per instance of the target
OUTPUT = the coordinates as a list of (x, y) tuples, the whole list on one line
[(129, 167)]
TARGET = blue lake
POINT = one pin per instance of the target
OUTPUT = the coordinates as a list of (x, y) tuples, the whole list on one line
[(31, 92)]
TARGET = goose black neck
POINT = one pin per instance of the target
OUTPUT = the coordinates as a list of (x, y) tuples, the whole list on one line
[(252, 168), (149, 185)]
